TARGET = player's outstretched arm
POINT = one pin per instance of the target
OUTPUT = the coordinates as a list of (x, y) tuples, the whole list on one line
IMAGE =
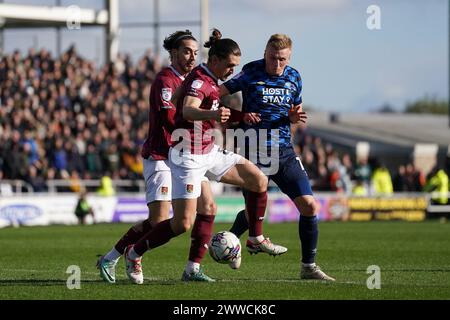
[(296, 114), (223, 91)]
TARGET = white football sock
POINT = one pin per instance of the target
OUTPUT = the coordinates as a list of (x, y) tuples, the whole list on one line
[(113, 255), (257, 239), (309, 265), (192, 267)]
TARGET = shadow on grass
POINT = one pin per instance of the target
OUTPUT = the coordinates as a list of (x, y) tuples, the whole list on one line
[(40, 282), (59, 282), (393, 270)]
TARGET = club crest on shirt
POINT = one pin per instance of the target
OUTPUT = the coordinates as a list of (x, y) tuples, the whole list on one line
[(164, 190), (189, 188), (166, 94), (197, 84)]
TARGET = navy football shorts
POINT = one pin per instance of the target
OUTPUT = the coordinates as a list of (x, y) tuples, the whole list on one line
[(291, 177)]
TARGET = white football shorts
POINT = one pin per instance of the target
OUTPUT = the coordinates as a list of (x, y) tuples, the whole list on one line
[(158, 180), (189, 170)]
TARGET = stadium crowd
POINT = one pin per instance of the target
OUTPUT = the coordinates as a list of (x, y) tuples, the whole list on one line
[(64, 118)]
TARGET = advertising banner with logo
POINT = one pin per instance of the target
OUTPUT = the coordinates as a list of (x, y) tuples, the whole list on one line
[(49, 209), (45, 209), (394, 208)]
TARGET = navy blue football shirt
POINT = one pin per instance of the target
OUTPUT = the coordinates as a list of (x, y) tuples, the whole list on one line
[(270, 96)]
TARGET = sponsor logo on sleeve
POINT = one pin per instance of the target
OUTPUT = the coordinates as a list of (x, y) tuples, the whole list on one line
[(166, 94), (197, 84)]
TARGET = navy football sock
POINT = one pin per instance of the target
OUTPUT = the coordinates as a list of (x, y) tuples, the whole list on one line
[(309, 233), (240, 224)]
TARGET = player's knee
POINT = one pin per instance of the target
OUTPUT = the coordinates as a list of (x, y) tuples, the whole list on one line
[(310, 208), (182, 226), (208, 207), (211, 208), (260, 184), (307, 206)]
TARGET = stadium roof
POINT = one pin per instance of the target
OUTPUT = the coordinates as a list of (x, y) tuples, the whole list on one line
[(391, 130), (26, 16)]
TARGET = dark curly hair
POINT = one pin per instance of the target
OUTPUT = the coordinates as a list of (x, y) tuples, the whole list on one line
[(221, 48), (173, 41)]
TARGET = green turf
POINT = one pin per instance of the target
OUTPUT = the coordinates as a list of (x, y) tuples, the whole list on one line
[(414, 259)]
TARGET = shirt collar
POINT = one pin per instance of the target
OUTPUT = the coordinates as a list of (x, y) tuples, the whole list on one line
[(205, 67), (176, 72)]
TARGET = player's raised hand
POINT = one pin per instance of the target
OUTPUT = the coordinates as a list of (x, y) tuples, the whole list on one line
[(222, 114), (251, 118), (296, 114)]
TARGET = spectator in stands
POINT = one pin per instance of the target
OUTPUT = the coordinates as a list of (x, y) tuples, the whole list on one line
[(50, 109), (438, 184), (106, 188), (5, 188), (415, 181), (36, 180), (93, 161), (360, 189), (399, 182), (381, 181), (75, 183), (363, 171)]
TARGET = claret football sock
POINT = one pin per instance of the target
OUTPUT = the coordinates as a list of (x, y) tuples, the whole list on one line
[(135, 233), (159, 235), (309, 233), (200, 236), (255, 204), (240, 224)]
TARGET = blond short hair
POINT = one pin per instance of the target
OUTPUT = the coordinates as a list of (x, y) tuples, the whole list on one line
[(279, 41)]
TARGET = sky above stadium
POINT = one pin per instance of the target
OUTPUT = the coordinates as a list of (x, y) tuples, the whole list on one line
[(345, 66)]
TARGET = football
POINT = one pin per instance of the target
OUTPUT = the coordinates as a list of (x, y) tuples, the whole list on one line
[(225, 247)]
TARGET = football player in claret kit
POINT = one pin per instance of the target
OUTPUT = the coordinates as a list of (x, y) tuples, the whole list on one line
[(196, 155), (272, 99), (183, 48)]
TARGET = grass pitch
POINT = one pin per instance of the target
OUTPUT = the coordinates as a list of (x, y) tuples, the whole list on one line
[(414, 259)]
